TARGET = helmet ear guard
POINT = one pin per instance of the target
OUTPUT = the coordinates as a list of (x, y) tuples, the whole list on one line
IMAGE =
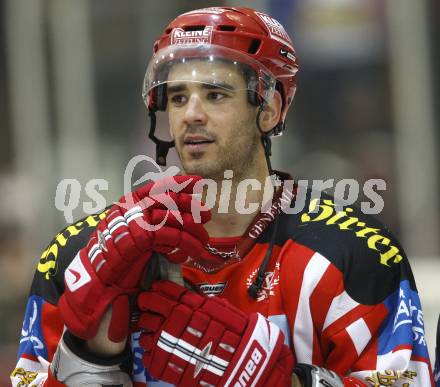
[(162, 146), (161, 97), (158, 102)]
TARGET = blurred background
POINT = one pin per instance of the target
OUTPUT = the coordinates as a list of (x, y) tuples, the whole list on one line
[(367, 106)]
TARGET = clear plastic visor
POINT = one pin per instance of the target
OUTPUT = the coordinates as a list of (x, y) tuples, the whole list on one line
[(208, 64)]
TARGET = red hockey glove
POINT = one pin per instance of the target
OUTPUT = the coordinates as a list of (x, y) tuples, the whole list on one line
[(191, 340), (111, 265)]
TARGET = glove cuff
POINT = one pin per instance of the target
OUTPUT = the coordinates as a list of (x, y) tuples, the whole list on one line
[(73, 365)]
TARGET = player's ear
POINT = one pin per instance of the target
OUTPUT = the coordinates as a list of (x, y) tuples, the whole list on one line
[(271, 114)]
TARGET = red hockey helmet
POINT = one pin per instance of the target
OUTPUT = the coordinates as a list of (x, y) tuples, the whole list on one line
[(244, 37)]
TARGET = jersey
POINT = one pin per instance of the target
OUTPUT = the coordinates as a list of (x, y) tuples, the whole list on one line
[(337, 283)]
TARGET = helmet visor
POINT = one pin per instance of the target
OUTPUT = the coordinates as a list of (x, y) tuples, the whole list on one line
[(207, 64)]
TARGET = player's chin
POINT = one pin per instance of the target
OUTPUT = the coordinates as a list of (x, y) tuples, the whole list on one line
[(203, 166), (194, 167), (198, 155)]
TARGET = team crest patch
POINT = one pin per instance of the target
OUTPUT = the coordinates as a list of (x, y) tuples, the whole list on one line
[(271, 280)]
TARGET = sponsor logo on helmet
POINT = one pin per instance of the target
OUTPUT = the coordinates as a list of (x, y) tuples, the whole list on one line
[(180, 36), (275, 28), (212, 290), (287, 54)]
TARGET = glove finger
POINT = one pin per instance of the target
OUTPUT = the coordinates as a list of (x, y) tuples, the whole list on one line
[(189, 342), (147, 342), (185, 222), (167, 340), (225, 351), (195, 229), (140, 230), (120, 319), (191, 245), (169, 217), (172, 372), (179, 183), (205, 364), (168, 238), (189, 225), (126, 246), (150, 322), (112, 239), (229, 316), (191, 204), (156, 303), (192, 299), (169, 289), (228, 345), (117, 235), (172, 201), (131, 279), (174, 255)]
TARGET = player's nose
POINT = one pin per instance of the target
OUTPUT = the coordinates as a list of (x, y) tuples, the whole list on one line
[(195, 113)]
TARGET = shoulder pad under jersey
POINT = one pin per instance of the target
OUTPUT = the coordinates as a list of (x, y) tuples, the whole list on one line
[(370, 258), (49, 276)]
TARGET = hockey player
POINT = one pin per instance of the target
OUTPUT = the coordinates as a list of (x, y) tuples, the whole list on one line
[(320, 297)]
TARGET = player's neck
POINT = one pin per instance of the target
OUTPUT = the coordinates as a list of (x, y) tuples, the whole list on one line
[(233, 213)]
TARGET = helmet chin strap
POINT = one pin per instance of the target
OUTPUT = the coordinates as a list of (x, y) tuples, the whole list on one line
[(257, 285), (265, 139), (162, 147)]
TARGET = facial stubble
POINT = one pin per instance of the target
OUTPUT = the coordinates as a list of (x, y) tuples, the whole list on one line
[(238, 153)]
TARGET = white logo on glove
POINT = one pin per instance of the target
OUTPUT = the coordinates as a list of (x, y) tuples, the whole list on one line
[(76, 274)]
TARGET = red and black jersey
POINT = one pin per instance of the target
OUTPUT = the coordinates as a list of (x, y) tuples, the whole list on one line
[(337, 283)]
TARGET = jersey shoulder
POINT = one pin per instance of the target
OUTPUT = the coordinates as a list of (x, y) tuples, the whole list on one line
[(48, 280), (370, 258)]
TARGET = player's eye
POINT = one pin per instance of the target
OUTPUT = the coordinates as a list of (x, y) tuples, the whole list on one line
[(178, 99), (216, 96)]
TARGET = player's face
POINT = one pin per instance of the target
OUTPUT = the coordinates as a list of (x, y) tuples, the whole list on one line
[(213, 126)]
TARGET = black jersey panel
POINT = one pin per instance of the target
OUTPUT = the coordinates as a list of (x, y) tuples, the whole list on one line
[(48, 280)]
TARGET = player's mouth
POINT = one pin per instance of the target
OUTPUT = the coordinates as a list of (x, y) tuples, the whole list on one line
[(196, 143)]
